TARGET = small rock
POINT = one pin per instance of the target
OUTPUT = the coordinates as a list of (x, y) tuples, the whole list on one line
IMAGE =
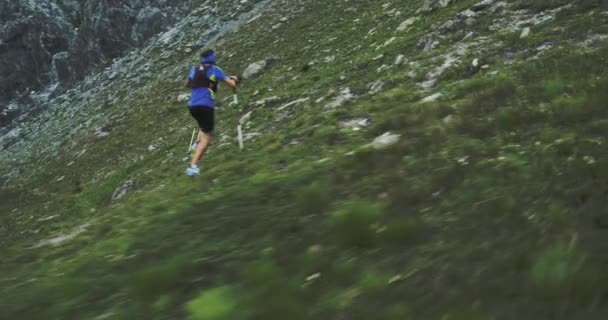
[(355, 124), (313, 277), (314, 249), (427, 42), (451, 26), (378, 57), (293, 103), (265, 101), (344, 96), (482, 5), (100, 133), (244, 119), (183, 97), (467, 14), (407, 23), (475, 63), (124, 189), (433, 97), (525, 33), (399, 60), (329, 59), (448, 119), (375, 86), (385, 140), (250, 136), (255, 69), (432, 5)]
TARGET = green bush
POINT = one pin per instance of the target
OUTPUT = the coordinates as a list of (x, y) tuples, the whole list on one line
[(327, 135), (553, 87), (215, 304), (270, 295), (153, 281), (568, 109), (396, 312), (314, 198), (556, 268), (400, 232), (353, 222)]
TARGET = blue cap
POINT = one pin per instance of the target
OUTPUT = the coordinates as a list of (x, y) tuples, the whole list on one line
[(208, 59)]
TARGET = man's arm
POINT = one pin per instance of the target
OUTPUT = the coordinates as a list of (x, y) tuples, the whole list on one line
[(232, 81)]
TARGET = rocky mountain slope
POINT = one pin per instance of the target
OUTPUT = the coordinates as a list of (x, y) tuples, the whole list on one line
[(46, 46), (410, 159)]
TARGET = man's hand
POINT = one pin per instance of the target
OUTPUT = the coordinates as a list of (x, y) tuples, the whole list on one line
[(232, 81)]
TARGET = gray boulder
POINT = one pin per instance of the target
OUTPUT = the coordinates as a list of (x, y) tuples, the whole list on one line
[(257, 68), (432, 5)]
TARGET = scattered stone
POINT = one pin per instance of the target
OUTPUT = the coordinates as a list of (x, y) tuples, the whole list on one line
[(244, 119), (344, 96), (185, 97), (375, 86), (467, 14), (433, 97), (47, 218), (355, 124), (407, 23), (427, 42), (482, 5), (525, 32), (329, 59), (255, 69), (389, 41), (399, 60), (313, 277), (293, 103), (265, 101), (378, 57), (448, 119), (251, 135), (382, 68), (316, 248), (100, 133), (124, 189), (451, 26), (395, 279), (432, 5), (385, 140), (63, 238)]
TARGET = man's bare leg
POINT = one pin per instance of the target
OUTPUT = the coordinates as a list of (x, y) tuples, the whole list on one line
[(203, 142)]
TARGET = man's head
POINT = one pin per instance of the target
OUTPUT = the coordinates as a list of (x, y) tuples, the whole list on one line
[(208, 57)]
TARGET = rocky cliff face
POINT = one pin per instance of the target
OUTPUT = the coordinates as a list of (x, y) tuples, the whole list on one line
[(51, 44)]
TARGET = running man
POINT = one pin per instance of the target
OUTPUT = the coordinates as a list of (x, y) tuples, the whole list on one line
[(204, 81)]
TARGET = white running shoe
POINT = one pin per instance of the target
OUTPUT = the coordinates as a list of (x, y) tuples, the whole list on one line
[(193, 171)]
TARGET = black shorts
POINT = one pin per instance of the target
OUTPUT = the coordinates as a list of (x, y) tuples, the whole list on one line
[(205, 118)]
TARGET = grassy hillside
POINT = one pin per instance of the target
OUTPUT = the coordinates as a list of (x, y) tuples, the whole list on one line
[(488, 203)]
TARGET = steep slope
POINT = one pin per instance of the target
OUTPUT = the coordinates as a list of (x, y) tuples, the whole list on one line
[(404, 160)]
